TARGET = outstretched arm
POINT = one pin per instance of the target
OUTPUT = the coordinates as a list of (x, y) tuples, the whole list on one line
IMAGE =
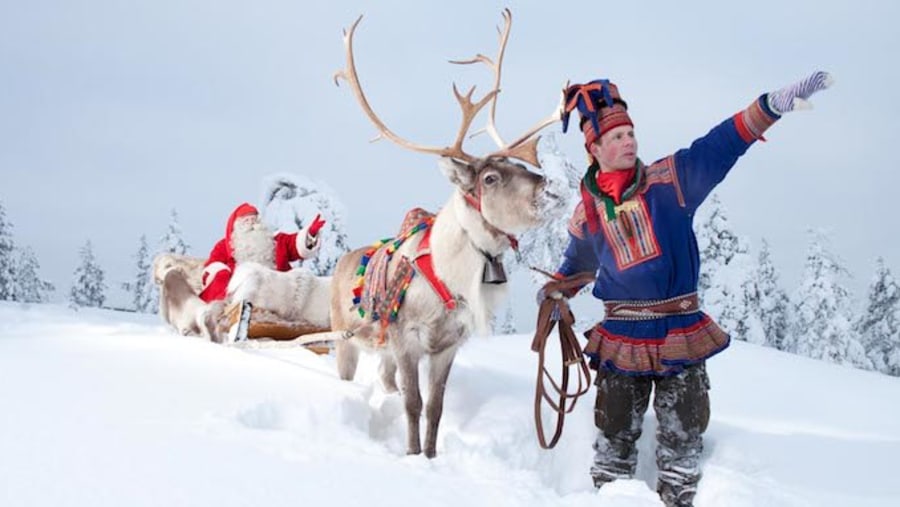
[(303, 245), (706, 163)]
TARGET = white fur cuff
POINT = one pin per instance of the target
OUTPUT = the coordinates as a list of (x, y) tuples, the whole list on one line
[(210, 272), (304, 251)]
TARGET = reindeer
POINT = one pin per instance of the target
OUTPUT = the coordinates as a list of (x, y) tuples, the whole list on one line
[(178, 278), (493, 200)]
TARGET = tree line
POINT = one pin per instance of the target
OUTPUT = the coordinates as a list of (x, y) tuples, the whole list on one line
[(742, 291), (819, 319), (20, 278)]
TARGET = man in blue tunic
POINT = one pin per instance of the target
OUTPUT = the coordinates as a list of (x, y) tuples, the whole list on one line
[(633, 229)]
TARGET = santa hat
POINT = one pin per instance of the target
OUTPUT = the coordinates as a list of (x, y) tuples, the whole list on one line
[(242, 210), (600, 106)]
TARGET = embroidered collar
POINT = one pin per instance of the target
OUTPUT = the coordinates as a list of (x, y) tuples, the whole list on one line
[(589, 186)]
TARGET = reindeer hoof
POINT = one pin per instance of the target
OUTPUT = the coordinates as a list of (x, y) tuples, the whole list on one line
[(430, 453)]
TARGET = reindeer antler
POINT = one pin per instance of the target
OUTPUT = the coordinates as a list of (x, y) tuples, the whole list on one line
[(525, 147), (495, 66), (469, 109)]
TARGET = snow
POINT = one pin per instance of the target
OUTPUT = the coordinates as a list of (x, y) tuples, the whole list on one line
[(103, 408)]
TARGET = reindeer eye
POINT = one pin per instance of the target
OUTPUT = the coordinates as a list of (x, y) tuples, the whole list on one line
[(490, 179)]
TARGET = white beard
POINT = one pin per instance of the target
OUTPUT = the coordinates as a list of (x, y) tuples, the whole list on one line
[(253, 242)]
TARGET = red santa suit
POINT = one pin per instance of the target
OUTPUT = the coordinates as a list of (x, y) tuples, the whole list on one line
[(221, 263)]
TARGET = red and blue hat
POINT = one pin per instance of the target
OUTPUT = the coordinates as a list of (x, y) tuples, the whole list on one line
[(600, 106)]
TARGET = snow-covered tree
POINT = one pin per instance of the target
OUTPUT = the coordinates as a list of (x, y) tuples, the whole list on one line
[(290, 202), (7, 258), (88, 286), (29, 287), (773, 303), (728, 288), (718, 244), (822, 306), (505, 323), (144, 296), (748, 317), (879, 324), (543, 246), (172, 241)]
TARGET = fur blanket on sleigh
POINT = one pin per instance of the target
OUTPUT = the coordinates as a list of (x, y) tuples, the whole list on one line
[(296, 296)]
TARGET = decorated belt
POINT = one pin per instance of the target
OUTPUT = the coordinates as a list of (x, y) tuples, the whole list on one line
[(652, 309)]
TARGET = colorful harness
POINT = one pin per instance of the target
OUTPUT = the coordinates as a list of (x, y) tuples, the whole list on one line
[(374, 295)]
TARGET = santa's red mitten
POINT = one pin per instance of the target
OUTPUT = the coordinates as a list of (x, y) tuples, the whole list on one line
[(316, 225)]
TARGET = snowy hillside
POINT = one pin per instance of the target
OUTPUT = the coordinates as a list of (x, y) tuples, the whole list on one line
[(105, 409)]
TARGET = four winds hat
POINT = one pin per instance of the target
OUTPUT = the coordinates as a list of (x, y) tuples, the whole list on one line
[(600, 106)]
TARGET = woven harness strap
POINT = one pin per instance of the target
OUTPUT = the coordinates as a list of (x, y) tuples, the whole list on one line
[(426, 267)]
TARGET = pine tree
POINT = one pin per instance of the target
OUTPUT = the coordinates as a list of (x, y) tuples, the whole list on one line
[(879, 325), (747, 309), (716, 241), (290, 202), (88, 286), (823, 327), (7, 259), (143, 293), (29, 287), (333, 236), (774, 305), (508, 323), (172, 241), (728, 288), (543, 246)]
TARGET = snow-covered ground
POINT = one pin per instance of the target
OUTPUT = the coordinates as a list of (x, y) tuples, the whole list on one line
[(100, 408)]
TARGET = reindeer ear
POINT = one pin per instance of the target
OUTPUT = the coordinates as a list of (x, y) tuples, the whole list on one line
[(460, 174)]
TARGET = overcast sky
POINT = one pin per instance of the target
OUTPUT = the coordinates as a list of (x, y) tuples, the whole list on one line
[(113, 112)]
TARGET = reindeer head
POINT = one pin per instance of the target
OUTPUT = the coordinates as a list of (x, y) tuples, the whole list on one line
[(508, 196)]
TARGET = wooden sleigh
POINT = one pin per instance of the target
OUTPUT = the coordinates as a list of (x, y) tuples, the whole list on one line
[(265, 329)]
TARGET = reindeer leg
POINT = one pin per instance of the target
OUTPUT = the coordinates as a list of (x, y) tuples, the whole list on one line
[(347, 356), (438, 372), (409, 385), (387, 369)]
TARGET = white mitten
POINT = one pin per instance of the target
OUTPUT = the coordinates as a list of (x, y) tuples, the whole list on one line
[(795, 96)]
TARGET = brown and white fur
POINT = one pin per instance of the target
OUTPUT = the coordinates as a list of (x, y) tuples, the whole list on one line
[(512, 200), (192, 267), (297, 295), (178, 278)]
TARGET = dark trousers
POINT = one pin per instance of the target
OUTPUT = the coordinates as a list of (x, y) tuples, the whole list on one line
[(681, 403)]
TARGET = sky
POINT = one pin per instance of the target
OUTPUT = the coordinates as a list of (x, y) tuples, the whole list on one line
[(104, 409), (113, 113)]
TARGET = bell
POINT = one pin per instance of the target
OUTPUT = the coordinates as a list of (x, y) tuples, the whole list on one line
[(493, 271)]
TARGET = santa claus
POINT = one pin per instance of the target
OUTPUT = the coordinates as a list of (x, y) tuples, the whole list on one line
[(247, 239)]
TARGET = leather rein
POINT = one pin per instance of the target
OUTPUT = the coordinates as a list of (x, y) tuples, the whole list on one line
[(555, 312)]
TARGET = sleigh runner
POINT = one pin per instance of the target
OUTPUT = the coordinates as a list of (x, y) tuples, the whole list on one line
[(265, 327)]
